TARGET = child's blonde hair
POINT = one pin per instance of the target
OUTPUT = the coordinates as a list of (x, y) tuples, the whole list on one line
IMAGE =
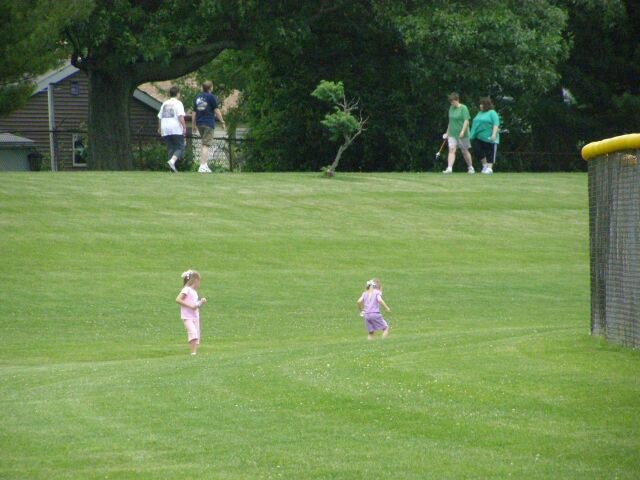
[(190, 277)]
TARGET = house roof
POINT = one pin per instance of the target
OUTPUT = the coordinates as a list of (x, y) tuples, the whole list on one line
[(67, 70), (54, 76), (9, 140), (147, 99)]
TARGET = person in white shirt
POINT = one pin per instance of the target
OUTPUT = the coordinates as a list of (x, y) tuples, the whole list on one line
[(172, 127)]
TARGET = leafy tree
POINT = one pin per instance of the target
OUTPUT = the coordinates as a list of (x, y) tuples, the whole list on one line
[(603, 70), (597, 94), (26, 47), (502, 48), (350, 43), (401, 59), (124, 43), (341, 123)]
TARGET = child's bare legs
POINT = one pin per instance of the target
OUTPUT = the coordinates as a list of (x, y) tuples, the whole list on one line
[(385, 334), (194, 346)]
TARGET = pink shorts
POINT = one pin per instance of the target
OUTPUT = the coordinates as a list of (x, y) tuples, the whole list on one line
[(193, 329)]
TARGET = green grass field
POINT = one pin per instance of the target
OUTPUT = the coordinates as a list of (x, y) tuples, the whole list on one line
[(489, 371)]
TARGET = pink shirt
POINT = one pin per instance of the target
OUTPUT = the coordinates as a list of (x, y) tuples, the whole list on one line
[(187, 313)]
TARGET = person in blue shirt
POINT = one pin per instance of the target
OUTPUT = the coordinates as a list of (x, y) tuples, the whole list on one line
[(485, 135), (203, 121)]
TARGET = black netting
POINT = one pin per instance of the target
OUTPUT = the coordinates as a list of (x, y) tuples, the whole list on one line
[(614, 224)]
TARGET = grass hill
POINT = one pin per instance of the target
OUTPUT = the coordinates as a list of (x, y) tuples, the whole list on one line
[(489, 370)]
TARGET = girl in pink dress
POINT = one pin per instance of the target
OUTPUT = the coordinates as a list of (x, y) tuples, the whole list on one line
[(190, 307), (369, 305)]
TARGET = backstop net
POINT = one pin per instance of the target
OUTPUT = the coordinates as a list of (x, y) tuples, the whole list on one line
[(614, 230)]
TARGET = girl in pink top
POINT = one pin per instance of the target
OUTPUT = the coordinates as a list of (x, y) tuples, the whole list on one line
[(190, 307), (369, 305)]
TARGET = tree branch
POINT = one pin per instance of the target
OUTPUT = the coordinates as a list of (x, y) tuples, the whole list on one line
[(324, 10), (182, 62), (76, 60)]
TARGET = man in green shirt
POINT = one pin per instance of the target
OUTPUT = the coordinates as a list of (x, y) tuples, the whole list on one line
[(458, 133)]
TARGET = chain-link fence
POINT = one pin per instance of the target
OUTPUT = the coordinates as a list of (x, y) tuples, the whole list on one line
[(70, 149), (614, 225), (225, 154)]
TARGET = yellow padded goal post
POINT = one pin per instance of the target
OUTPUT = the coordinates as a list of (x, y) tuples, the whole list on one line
[(614, 238), (611, 145)]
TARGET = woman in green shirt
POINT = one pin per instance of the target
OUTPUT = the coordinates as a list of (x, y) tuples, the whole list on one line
[(485, 134)]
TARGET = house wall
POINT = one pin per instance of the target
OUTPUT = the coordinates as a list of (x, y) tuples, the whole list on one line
[(144, 120), (71, 108), (72, 113), (30, 122)]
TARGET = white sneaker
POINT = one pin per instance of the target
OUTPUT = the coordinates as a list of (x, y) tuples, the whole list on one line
[(172, 166), (204, 169), (487, 171), (448, 170), (471, 171)]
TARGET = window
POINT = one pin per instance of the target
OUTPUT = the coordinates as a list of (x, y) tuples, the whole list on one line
[(79, 150), (74, 89)]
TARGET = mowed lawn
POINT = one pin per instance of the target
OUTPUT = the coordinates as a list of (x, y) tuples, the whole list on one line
[(489, 372)]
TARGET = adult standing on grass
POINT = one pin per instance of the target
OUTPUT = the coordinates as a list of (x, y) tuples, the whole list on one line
[(172, 127), (369, 305), (190, 307), (485, 134), (205, 113), (457, 133)]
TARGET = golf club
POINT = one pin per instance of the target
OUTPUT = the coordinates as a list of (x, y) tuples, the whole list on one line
[(435, 162)]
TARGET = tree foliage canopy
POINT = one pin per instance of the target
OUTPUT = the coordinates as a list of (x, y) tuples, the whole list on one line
[(124, 43), (30, 44), (400, 58), (341, 122), (153, 39)]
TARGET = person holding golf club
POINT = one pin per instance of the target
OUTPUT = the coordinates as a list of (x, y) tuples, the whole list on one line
[(485, 134), (457, 133), (190, 307), (369, 306)]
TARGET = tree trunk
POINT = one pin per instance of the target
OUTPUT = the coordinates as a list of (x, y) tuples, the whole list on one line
[(332, 168), (109, 132), (347, 141)]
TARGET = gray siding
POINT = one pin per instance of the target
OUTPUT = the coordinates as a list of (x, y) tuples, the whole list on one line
[(72, 112), (144, 119), (30, 121)]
